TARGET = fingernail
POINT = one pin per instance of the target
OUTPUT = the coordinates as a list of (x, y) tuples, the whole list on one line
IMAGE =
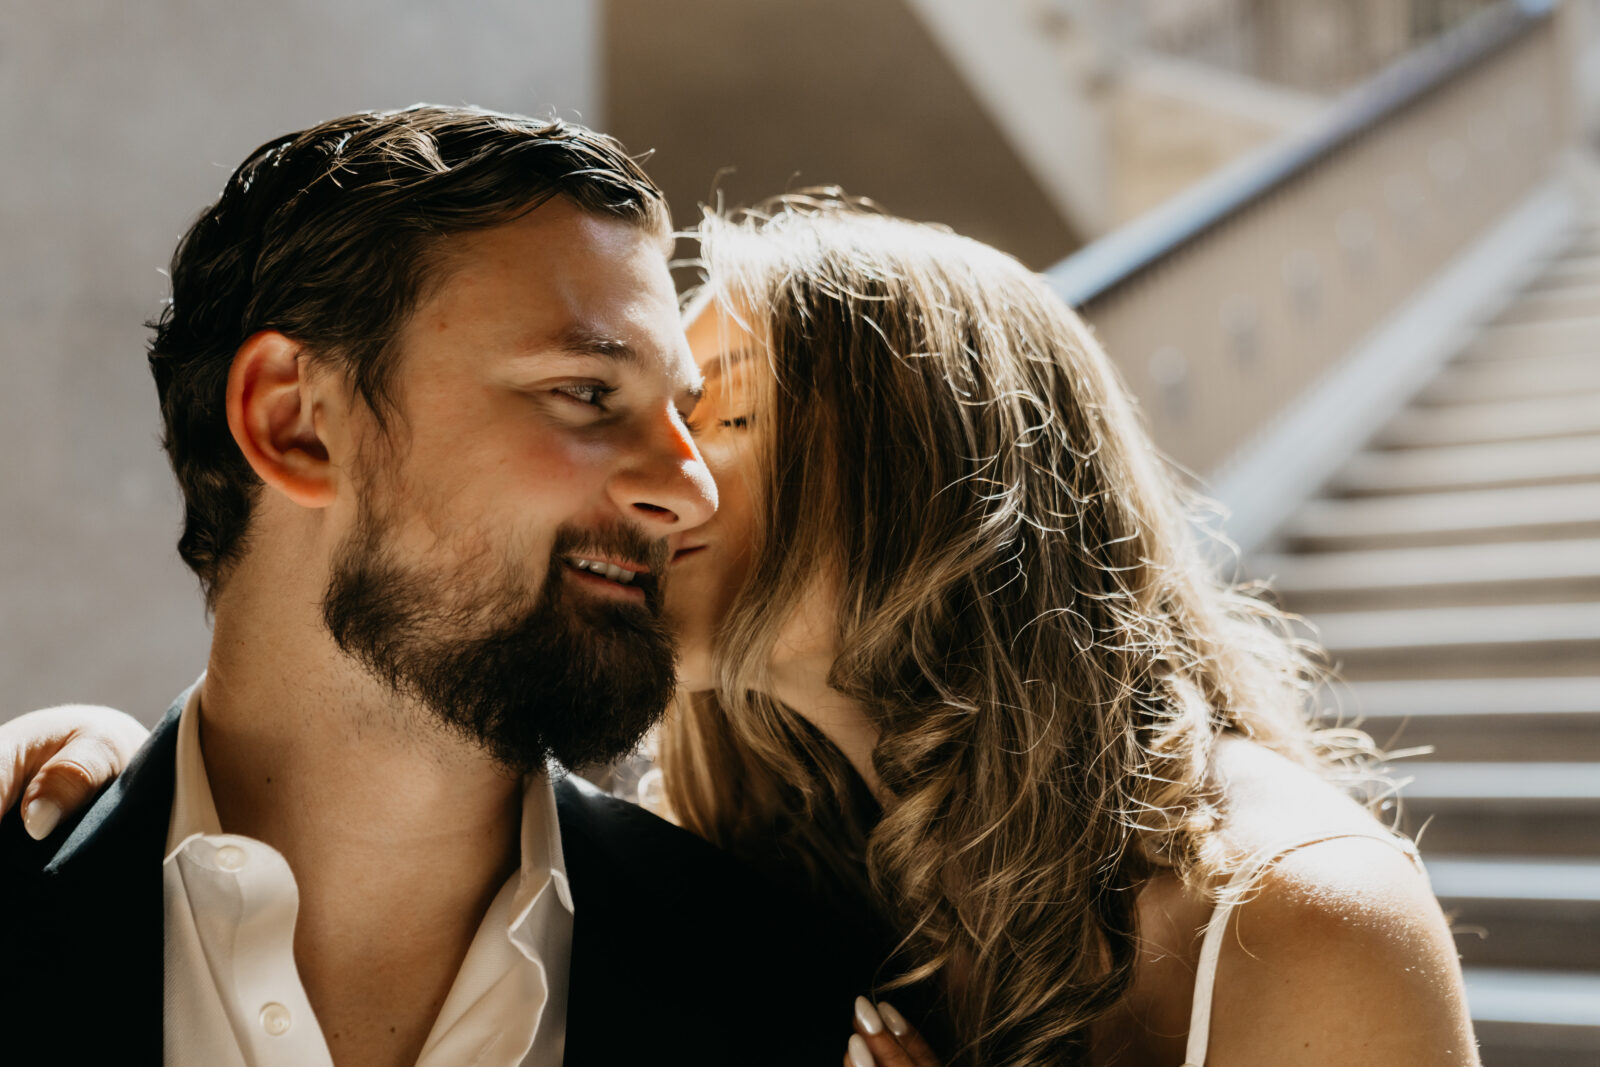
[(860, 1054), (867, 1016), (40, 817), (893, 1020)]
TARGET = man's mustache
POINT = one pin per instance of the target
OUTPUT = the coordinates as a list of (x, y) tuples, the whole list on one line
[(619, 543)]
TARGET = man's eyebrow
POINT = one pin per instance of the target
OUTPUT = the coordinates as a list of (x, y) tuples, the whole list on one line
[(582, 341)]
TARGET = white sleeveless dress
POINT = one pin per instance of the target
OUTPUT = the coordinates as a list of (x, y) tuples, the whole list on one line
[(1211, 948)]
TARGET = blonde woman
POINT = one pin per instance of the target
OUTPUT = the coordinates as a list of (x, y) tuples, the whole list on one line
[(950, 652)]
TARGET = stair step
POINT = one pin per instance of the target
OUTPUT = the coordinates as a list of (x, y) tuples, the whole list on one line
[(1522, 340), (1417, 577), (1487, 719), (1500, 420), (1533, 912), (1586, 243), (1526, 1017), (1532, 881), (1453, 573), (1568, 287), (1569, 270), (1445, 518), (1565, 276), (1512, 640), (1533, 375), (1453, 698), (1502, 809), (1539, 785), (1555, 460), (1573, 301)]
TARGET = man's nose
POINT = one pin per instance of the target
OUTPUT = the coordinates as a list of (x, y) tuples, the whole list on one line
[(665, 486)]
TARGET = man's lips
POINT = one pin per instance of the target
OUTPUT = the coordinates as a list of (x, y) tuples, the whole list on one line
[(633, 590), (612, 567)]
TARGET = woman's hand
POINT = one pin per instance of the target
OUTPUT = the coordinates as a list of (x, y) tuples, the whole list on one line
[(883, 1038), (54, 760)]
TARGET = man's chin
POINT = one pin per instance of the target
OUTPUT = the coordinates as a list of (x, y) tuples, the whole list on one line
[(585, 685), (576, 678), (605, 610), (577, 687), (608, 621)]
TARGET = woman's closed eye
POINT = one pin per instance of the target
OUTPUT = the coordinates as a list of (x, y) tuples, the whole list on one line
[(699, 424)]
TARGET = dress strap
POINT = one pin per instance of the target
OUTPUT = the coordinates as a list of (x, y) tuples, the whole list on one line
[(1211, 948)]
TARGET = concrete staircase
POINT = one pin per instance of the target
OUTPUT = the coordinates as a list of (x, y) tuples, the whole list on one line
[(1453, 571)]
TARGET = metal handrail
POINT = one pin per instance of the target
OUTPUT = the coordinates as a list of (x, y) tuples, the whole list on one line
[(1123, 254)]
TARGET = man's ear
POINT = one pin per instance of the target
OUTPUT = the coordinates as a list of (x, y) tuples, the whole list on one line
[(272, 415)]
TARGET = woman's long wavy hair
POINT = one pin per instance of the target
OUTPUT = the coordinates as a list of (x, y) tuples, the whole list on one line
[(1023, 611)]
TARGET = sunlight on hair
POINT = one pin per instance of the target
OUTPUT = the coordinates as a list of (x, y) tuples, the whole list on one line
[(1027, 613)]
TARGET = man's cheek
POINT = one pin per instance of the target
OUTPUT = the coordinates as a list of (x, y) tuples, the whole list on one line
[(562, 469)]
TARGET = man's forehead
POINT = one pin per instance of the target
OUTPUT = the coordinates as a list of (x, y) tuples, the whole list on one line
[(551, 248), (585, 284)]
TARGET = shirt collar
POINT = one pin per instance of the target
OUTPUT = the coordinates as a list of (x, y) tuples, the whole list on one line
[(194, 814), (543, 866)]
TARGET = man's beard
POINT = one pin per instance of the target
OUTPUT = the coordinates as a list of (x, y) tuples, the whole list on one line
[(563, 675)]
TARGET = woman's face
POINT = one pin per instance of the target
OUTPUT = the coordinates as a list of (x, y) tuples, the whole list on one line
[(711, 561)]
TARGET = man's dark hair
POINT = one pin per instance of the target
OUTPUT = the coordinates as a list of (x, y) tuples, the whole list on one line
[(327, 235)]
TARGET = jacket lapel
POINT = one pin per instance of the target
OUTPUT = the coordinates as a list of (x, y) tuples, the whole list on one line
[(92, 924), (593, 911), (127, 826)]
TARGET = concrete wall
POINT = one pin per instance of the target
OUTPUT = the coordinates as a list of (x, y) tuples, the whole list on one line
[(121, 122), (748, 98)]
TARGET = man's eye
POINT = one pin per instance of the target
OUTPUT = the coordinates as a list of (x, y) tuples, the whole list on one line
[(590, 394)]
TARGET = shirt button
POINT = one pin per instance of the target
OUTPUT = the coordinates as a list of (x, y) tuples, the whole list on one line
[(275, 1019), (230, 858)]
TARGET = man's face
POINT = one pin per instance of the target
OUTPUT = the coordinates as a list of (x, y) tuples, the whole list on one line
[(503, 551)]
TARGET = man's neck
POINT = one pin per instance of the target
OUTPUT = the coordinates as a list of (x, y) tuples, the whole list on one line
[(399, 836)]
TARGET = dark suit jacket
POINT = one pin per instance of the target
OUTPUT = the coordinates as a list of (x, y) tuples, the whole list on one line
[(680, 954)]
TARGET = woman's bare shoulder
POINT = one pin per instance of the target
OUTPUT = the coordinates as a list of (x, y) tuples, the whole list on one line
[(1340, 953), (1270, 799)]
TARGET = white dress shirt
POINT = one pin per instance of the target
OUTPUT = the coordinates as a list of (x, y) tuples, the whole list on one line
[(233, 996)]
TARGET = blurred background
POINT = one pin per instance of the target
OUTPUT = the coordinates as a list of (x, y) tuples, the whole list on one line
[(1346, 253)]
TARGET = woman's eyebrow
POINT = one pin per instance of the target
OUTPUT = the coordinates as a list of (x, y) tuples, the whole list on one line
[(715, 366)]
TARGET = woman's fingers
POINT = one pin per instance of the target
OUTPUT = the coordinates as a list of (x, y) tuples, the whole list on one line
[(65, 782), (25, 743), (910, 1037), (884, 1038), (54, 760)]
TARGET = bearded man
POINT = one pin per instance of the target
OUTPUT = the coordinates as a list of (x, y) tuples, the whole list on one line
[(424, 386)]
